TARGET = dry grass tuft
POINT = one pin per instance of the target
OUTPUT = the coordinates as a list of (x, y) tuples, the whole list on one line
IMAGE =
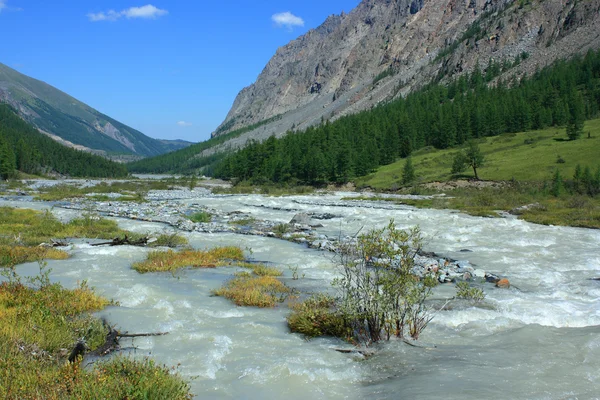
[(162, 261), (246, 289)]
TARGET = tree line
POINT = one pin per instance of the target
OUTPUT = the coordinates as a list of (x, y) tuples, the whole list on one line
[(23, 148), (472, 106)]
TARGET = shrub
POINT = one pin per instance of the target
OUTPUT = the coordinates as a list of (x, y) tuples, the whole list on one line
[(465, 291), (379, 296)]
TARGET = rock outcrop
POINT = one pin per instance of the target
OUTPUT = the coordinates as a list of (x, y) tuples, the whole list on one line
[(385, 48)]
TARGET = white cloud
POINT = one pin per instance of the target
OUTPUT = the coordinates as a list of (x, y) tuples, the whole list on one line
[(147, 12), (287, 19), (184, 124), (2, 4)]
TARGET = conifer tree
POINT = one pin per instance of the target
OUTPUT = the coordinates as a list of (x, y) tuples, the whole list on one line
[(408, 172)]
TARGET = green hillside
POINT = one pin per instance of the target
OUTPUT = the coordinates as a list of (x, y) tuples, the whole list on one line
[(526, 156), (23, 148), (62, 115)]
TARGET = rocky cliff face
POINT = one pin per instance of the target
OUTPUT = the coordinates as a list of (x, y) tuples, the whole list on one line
[(385, 48)]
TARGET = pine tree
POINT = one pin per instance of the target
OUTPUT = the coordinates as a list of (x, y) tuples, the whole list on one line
[(408, 172), (576, 116)]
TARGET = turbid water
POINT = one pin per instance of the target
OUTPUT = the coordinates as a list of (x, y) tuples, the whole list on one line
[(538, 340)]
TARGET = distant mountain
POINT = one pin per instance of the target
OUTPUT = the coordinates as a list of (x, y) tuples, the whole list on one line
[(23, 148), (72, 122), (384, 49)]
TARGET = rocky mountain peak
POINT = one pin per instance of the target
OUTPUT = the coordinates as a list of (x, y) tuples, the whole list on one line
[(385, 48)]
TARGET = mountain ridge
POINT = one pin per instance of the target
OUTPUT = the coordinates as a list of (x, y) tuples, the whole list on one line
[(59, 115), (332, 70)]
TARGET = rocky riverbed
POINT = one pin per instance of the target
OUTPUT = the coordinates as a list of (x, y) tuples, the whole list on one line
[(174, 208)]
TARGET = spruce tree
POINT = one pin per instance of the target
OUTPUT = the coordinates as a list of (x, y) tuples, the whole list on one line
[(576, 116), (408, 172)]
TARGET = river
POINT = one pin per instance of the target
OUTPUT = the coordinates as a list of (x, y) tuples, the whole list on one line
[(538, 340)]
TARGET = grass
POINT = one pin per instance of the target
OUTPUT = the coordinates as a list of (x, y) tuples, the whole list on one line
[(524, 161), (526, 156), (14, 255), (171, 261), (40, 326), (132, 190), (22, 231), (243, 222), (269, 190), (246, 289), (201, 217), (317, 316), (260, 269)]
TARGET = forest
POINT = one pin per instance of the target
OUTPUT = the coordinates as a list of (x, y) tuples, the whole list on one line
[(472, 106), (24, 149)]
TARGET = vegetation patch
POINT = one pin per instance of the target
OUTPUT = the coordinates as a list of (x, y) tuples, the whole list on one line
[(14, 255), (261, 269), (246, 289), (318, 316), (243, 222), (201, 217), (466, 291), (161, 261), (41, 322)]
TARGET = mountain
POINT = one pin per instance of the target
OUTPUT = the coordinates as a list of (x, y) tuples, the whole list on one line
[(384, 49), (23, 148), (72, 122)]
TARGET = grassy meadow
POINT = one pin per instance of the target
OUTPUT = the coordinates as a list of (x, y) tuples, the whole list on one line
[(526, 157), (524, 163)]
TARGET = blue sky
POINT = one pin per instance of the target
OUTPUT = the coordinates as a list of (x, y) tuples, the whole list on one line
[(170, 69)]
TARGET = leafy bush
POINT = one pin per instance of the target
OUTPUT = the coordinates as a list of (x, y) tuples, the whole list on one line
[(378, 294), (465, 291)]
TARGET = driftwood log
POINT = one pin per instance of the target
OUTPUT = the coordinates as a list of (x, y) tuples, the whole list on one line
[(111, 344), (125, 241)]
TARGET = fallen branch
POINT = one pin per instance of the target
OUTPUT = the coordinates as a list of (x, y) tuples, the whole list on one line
[(128, 335), (365, 353), (123, 242)]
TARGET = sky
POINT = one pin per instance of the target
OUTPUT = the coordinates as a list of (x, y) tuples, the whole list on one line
[(170, 69)]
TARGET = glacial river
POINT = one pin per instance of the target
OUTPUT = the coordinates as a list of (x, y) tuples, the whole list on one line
[(538, 340)]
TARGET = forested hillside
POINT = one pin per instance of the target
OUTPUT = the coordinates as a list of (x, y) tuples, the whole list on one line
[(473, 106), (24, 149)]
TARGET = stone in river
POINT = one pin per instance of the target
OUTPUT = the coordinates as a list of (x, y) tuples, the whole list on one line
[(301, 219), (503, 283)]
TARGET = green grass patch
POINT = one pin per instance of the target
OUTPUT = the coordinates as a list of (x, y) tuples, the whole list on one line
[(201, 217), (243, 222), (171, 261), (317, 316), (526, 156), (246, 289), (22, 231), (261, 269)]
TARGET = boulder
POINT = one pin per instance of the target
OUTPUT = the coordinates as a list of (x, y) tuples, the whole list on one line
[(301, 219), (503, 283)]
